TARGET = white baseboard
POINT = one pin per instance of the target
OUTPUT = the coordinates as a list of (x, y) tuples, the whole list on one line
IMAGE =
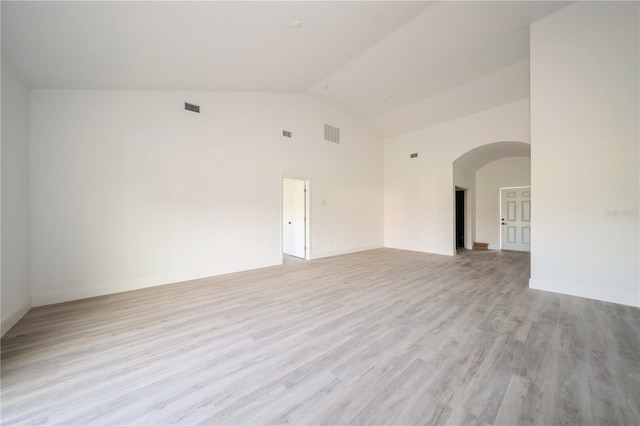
[(604, 295), (13, 317), (341, 252), (112, 288), (420, 250)]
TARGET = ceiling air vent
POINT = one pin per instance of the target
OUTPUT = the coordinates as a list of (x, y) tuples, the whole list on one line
[(331, 134)]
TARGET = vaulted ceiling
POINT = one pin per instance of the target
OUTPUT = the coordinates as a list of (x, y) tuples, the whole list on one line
[(400, 65)]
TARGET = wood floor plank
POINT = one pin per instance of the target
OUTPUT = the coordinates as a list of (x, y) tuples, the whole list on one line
[(378, 337)]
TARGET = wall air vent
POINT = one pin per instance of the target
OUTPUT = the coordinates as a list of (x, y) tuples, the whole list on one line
[(286, 133), (331, 134), (414, 155), (192, 107)]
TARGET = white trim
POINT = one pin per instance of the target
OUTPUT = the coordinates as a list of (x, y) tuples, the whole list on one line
[(307, 206), (347, 251), (605, 295), (121, 287), (12, 319), (307, 215), (467, 213)]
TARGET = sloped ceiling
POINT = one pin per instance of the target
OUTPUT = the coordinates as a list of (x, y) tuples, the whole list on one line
[(400, 65), (192, 45), (479, 157)]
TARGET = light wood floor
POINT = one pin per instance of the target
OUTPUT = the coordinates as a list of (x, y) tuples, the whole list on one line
[(378, 337)]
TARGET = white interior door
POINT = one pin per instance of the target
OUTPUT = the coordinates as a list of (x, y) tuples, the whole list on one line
[(294, 212), (516, 218)]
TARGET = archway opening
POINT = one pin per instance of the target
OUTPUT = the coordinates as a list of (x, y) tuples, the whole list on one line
[(482, 172)]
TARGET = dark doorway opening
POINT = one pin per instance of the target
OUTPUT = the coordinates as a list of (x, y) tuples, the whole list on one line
[(460, 219)]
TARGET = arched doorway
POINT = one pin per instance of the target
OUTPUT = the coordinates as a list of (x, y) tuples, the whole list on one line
[(482, 172)]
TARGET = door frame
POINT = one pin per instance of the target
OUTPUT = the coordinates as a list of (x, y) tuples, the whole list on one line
[(469, 218), (464, 217), (500, 207), (307, 208)]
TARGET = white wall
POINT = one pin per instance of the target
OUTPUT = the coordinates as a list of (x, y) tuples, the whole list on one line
[(585, 137), (16, 297), (504, 86), (419, 192), (506, 172), (130, 190)]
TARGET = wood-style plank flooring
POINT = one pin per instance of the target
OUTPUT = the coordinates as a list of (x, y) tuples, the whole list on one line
[(378, 337)]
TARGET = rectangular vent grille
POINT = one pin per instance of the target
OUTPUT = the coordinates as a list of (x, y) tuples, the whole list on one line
[(331, 133), (286, 133), (192, 107), (414, 155)]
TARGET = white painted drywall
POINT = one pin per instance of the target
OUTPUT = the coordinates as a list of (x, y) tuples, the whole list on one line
[(508, 84), (585, 134), (506, 172), (16, 295), (130, 190), (419, 192)]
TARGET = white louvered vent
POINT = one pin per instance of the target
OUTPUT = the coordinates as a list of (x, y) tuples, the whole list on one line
[(331, 133)]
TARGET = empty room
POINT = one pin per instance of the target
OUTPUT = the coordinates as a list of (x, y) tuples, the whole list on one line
[(320, 212)]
